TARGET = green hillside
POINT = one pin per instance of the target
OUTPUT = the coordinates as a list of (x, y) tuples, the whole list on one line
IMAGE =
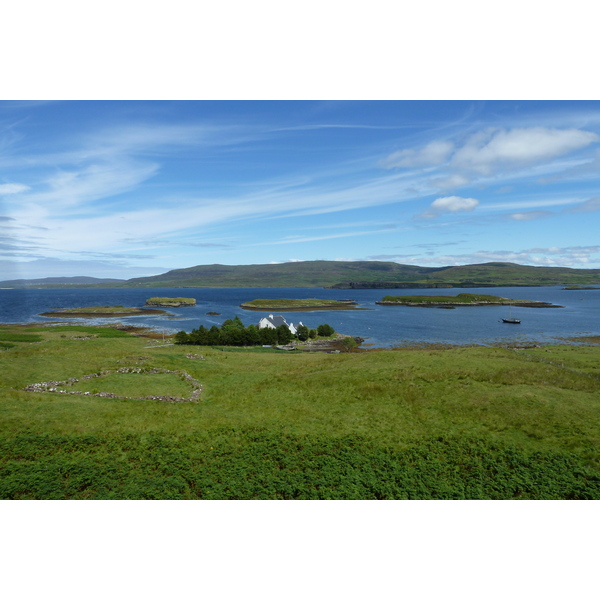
[(366, 274), (316, 273), (344, 275), (497, 273)]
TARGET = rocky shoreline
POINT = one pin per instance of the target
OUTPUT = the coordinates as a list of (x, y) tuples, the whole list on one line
[(332, 345), (82, 313)]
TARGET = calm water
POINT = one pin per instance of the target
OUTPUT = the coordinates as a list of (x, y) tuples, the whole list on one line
[(381, 326)]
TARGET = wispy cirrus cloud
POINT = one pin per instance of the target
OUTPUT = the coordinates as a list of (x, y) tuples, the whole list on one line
[(531, 215), (12, 188), (432, 155), (319, 238), (524, 202), (591, 205), (105, 163), (74, 189), (450, 182)]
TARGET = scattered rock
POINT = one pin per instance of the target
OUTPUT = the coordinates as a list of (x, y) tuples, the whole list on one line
[(53, 386)]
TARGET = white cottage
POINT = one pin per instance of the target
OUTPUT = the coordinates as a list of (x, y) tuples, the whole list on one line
[(274, 322)]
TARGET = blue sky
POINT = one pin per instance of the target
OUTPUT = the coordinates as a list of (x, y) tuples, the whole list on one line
[(133, 188)]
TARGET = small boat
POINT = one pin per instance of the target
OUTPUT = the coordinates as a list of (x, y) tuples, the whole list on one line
[(510, 318)]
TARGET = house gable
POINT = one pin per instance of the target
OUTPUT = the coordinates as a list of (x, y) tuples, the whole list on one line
[(275, 321)]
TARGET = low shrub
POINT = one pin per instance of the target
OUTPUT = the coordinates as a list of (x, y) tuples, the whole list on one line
[(258, 464)]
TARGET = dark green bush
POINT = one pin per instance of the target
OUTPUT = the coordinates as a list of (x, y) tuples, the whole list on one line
[(325, 330)]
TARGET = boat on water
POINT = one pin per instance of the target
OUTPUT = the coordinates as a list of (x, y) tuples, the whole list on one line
[(510, 318)]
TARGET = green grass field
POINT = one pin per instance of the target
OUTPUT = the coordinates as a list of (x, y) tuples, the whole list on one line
[(476, 422)]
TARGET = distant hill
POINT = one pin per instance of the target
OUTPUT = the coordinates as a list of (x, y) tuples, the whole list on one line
[(366, 274), (57, 282), (316, 273), (337, 274)]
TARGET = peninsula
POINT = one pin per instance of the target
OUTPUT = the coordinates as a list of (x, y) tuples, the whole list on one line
[(302, 304), (461, 300)]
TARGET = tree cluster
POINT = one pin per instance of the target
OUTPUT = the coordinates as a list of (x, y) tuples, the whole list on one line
[(234, 333)]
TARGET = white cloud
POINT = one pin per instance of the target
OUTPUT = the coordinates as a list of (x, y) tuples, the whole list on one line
[(454, 204), (450, 204), (12, 188), (490, 149), (434, 154)]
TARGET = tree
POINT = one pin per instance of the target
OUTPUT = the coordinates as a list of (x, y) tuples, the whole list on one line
[(284, 335), (325, 330), (268, 336), (233, 332), (252, 336), (199, 336), (312, 334), (182, 337), (213, 336), (348, 344), (302, 333)]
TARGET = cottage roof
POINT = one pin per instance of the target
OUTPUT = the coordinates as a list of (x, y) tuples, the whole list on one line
[(276, 321)]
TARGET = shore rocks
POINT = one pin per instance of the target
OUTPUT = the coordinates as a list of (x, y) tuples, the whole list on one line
[(58, 387)]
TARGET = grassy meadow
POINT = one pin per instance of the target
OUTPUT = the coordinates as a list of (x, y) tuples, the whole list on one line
[(478, 422)]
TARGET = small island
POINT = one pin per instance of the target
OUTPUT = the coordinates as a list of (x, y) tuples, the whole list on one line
[(102, 311), (461, 300), (170, 302), (580, 287), (303, 304)]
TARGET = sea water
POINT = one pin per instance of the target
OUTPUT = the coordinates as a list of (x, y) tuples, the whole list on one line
[(380, 326)]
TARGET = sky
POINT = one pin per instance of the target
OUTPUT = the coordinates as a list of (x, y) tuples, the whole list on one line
[(133, 188)]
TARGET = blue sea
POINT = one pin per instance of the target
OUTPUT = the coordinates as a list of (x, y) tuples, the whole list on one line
[(380, 326)]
